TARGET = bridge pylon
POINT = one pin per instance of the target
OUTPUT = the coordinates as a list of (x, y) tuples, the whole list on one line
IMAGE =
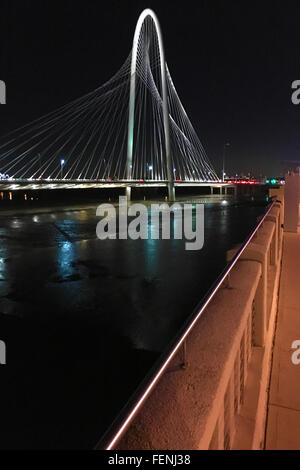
[(130, 135)]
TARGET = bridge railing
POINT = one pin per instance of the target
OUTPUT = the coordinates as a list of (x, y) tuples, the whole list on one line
[(217, 361)]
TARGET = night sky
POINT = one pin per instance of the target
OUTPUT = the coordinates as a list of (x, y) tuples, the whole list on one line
[(232, 63)]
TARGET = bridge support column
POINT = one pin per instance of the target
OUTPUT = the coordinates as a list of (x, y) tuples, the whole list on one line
[(128, 193), (171, 192), (258, 253)]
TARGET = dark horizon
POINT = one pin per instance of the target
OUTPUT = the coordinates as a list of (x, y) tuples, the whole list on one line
[(232, 65)]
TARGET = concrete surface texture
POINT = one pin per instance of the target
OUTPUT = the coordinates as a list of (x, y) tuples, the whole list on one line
[(283, 424)]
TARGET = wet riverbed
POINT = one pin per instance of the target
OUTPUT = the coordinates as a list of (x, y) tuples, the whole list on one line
[(84, 319)]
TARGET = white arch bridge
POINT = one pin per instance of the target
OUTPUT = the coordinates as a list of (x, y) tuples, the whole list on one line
[(132, 129)]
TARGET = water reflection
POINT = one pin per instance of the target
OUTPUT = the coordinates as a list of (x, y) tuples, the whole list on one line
[(16, 223), (66, 254), (123, 300), (2, 269), (151, 249)]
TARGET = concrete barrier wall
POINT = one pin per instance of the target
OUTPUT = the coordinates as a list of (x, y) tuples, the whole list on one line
[(224, 385)]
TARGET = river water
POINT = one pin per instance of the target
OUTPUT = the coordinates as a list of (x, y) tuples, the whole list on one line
[(84, 319)]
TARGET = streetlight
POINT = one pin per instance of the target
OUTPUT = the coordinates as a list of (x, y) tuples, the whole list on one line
[(151, 174), (150, 168), (226, 144), (62, 162)]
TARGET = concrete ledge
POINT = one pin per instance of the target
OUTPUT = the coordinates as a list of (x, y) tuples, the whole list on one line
[(183, 411)]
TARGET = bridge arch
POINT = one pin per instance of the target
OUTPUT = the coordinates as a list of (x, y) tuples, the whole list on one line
[(130, 136)]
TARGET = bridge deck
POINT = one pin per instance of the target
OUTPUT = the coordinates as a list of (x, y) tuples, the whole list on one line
[(57, 184)]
